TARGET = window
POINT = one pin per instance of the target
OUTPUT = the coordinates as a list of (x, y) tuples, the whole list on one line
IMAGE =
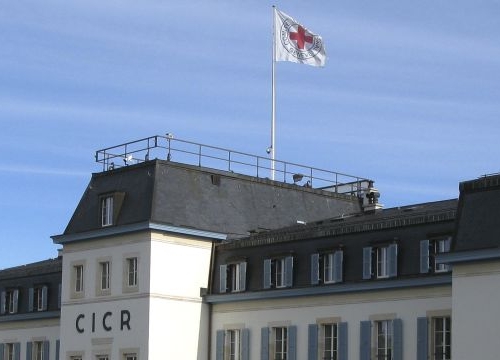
[(130, 357), (233, 277), (279, 342), (327, 268), (78, 276), (232, 344), (441, 246), (132, 271), (38, 298), (380, 261), (280, 339), (75, 358), (12, 351), (278, 273), (9, 301), (384, 339), (102, 357), (441, 337), (38, 350), (330, 341), (104, 275), (429, 249), (327, 339), (107, 210)]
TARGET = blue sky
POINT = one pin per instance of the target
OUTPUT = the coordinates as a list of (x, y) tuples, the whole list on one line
[(409, 96)]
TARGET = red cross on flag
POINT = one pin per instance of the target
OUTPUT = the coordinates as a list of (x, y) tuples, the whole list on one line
[(293, 42)]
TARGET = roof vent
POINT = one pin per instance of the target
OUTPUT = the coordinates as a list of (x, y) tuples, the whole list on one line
[(370, 199)]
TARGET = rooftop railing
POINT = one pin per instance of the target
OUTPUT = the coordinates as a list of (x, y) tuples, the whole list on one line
[(187, 152)]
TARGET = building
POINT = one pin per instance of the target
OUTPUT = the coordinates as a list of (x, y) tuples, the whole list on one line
[(177, 258)]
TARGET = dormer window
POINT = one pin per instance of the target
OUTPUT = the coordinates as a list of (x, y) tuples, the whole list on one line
[(107, 210), (109, 206)]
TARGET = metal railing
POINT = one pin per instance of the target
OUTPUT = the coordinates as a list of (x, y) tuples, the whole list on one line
[(187, 152)]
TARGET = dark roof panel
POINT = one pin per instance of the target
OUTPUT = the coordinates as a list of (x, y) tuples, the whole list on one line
[(478, 214), (205, 199)]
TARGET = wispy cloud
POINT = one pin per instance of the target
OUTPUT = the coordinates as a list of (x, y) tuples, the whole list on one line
[(33, 170)]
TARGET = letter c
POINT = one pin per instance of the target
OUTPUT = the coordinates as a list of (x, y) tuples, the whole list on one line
[(78, 328), (104, 325)]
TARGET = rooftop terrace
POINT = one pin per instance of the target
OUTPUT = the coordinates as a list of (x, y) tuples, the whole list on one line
[(169, 148)]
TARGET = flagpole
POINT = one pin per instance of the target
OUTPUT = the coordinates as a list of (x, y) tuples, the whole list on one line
[(273, 96)]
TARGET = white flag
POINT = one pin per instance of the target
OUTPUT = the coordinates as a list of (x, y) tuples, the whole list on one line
[(293, 42)]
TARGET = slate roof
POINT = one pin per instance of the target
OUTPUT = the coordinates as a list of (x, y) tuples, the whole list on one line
[(206, 199), (49, 266), (405, 226), (478, 215)]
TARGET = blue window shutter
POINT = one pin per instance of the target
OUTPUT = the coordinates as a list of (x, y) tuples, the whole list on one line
[(365, 340), (245, 344), (338, 259), (289, 271), (59, 294), (422, 338), (393, 260), (17, 351), (29, 350), (16, 300), (31, 297), (424, 256), (342, 341), (58, 347), (219, 350), (2, 302), (267, 273), (2, 349), (264, 343), (367, 262), (314, 269), (292, 342), (223, 279), (45, 294), (397, 328), (243, 276), (312, 346), (46, 346)]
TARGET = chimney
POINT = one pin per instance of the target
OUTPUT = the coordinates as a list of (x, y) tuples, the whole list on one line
[(370, 199)]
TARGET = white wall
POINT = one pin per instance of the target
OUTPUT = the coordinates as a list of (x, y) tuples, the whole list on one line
[(407, 305), (33, 330), (179, 268), (476, 311)]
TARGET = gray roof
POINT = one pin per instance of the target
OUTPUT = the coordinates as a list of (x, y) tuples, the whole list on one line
[(478, 215), (50, 266), (206, 199)]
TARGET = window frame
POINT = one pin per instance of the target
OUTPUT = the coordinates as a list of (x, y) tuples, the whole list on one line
[(278, 272), (105, 275), (280, 342), (380, 262), (11, 301), (107, 210), (440, 246), (331, 346), (79, 272), (132, 271), (10, 351), (445, 338), (384, 330), (38, 350)]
